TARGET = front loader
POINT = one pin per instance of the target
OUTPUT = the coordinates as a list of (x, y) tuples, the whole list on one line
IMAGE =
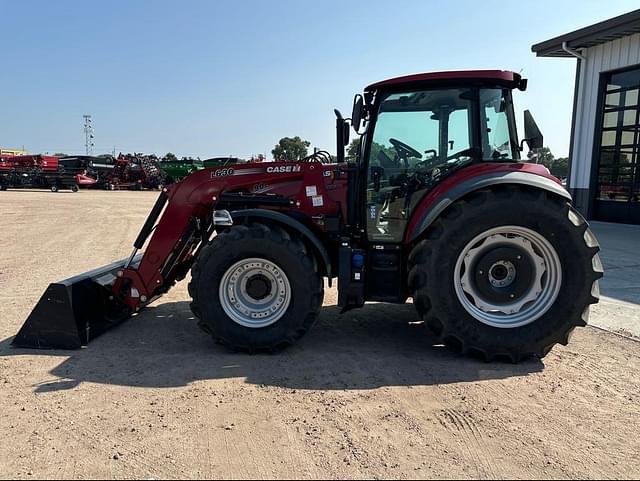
[(437, 207)]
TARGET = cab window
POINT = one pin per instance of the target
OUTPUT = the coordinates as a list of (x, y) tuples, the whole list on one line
[(418, 138), (494, 124)]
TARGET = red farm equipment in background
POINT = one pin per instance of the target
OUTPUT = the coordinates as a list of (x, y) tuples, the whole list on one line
[(135, 172), (97, 169), (41, 172), (78, 165)]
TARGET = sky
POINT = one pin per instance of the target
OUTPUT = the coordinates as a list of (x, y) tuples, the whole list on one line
[(211, 78)]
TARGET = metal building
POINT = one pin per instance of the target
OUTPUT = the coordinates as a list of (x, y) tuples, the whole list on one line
[(604, 176), (11, 152)]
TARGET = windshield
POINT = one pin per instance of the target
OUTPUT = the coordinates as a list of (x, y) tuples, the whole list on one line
[(425, 129), (444, 128)]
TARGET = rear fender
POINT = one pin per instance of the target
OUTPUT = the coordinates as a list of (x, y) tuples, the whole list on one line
[(475, 177), (291, 223)]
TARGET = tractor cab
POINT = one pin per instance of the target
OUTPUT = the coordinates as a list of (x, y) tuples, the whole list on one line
[(419, 129)]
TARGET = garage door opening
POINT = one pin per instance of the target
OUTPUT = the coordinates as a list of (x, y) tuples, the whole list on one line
[(617, 190)]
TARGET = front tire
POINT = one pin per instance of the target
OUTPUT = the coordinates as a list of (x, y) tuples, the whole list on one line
[(506, 273), (256, 288)]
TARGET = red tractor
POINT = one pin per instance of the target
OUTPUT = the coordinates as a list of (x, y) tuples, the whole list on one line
[(437, 207)]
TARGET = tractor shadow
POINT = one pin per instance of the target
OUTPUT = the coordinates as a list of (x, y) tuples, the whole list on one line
[(376, 346)]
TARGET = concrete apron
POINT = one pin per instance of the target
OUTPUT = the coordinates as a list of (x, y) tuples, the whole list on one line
[(619, 307)]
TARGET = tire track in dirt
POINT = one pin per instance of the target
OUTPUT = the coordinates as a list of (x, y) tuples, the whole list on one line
[(601, 373), (470, 437), (587, 367), (547, 439)]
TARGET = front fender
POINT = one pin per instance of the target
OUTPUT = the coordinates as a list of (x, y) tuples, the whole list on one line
[(472, 178), (292, 223)]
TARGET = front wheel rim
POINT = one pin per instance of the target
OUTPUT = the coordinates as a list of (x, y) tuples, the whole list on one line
[(255, 293), (508, 277)]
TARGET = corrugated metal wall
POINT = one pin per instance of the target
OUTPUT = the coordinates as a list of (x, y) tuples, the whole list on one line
[(621, 53)]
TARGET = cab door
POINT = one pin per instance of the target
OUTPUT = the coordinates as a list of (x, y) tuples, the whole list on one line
[(418, 137)]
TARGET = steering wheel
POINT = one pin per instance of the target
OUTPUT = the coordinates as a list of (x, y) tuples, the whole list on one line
[(404, 151)]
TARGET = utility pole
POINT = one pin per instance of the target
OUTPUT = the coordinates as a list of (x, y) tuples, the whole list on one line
[(88, 134)]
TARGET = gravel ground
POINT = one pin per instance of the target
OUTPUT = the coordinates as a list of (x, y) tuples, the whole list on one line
[(364, 395)]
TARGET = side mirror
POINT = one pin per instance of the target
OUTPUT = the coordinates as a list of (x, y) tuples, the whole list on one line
[(358, 111), (532, 135)]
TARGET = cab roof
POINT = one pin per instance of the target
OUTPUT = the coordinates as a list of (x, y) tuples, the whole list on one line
[(502, 77)]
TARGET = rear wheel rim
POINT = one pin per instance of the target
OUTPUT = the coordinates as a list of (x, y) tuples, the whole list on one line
[(255, 293), (508, 277)]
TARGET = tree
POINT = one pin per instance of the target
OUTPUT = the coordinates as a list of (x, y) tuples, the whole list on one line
[(353, 149), (378, 152), (381, 155), (291, 149), (542, 156), (558, 167), (169, 157)]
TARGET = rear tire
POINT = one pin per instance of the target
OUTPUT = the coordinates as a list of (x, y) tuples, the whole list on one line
[(563, 288), (221, 278), (54, 188)]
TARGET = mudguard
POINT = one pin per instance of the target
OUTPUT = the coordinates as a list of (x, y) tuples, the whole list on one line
[(475, 177), (294, 224)]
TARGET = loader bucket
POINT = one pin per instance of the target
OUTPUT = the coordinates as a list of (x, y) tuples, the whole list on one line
[(73, 312)]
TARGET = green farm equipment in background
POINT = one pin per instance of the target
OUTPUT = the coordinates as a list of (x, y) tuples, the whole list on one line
[(177, 170), (216, 162)]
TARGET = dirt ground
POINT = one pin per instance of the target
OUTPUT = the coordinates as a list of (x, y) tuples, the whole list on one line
[(364, 395)]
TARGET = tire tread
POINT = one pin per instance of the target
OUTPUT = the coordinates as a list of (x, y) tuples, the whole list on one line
[(294, 247), (422, 257)]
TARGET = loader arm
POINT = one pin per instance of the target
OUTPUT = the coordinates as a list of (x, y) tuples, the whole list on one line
[(180, 222)]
